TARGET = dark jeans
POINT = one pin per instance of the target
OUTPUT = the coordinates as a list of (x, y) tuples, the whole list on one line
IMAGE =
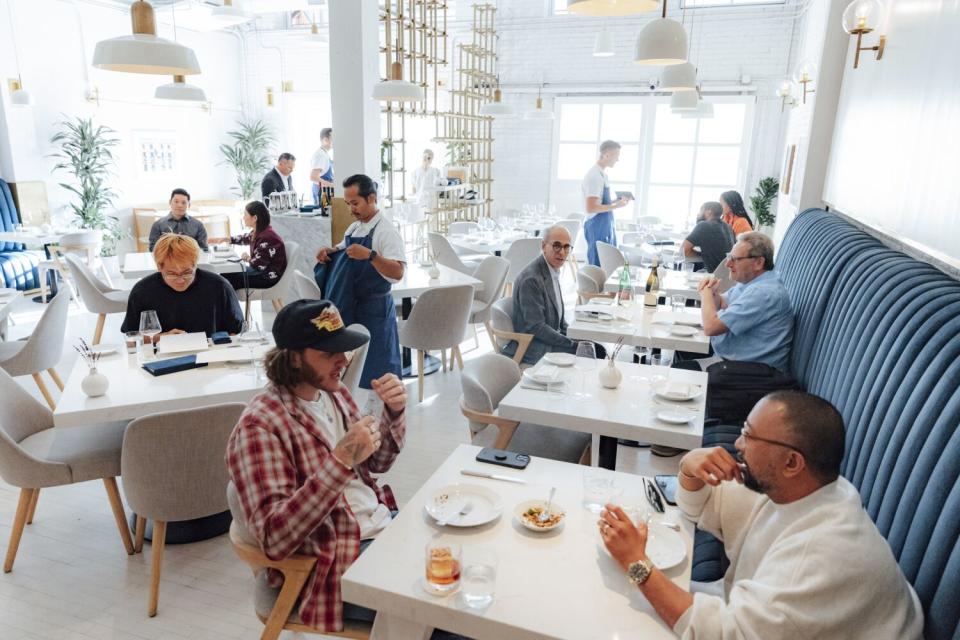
[(255, 280)]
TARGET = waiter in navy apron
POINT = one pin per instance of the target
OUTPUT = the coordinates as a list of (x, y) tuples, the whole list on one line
[(321, 166), (599, 203), (357, 276)]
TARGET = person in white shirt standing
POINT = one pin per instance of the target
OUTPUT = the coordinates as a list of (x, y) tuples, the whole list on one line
[(357, 276), (806, 560), (598, 203), (424, 177), (321, 166)]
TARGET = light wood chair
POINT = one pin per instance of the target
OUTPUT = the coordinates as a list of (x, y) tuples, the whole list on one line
[(97, 297), (500, 326), (590, 283), (86, 245), (42, 350)]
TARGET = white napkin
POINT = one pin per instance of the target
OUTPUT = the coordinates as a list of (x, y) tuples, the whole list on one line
[(677, 389), (181, 342)]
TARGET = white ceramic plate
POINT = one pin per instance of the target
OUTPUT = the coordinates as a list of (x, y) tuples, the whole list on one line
[(683, 330), (252, 337), (678, 392), (665, 547), (675, 416), (544, 373), (556, 511), (447, 501), (560, 359), (104, 349)]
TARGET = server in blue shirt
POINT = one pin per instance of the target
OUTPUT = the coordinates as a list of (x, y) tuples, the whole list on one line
[(753, 321)]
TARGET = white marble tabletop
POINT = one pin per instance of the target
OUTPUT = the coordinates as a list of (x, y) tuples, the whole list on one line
[(33, 237), (416, 280), (671, 282), (496, 243), (627, 412), (310, 232), (141, 265), (134, 393), (555, 585), (640, 330)]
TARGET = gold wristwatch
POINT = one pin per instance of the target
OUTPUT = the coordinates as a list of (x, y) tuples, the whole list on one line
[(639, 572)]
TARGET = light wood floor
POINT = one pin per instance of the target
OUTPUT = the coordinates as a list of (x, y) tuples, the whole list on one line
[(72, 579)]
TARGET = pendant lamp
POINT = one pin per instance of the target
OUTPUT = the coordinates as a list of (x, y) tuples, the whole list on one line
[(144, 52), (497, 108), (19, 96), (610, 7), (684, 100), (679, 77), (395, 88), (228, 15), (662, 42), (603, 47), (539, 113), (180, 90)]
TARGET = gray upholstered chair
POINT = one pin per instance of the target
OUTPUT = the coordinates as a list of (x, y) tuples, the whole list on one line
[(722, 273), (522, 252), (438, 321), (275, 607), (444, 253), (173, 470), (492, 272), (351, 375), (611, 258), (485, 382), (97, 296), (283, 286), (306, 286), (590, 283), (573, 227), (500, 326), (42, 350), (34, 455)]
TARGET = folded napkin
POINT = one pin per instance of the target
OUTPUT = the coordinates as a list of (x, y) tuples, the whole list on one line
[(163, 367), (544, 373), (678, 389)]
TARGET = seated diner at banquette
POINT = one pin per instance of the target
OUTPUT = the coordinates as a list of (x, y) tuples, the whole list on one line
[(266, 257)]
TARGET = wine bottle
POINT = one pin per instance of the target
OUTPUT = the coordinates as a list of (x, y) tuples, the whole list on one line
[(625, 286), (652, 289)]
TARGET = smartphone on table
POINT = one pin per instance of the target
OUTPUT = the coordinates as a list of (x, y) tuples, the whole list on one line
[(668, 487), (503, 458)]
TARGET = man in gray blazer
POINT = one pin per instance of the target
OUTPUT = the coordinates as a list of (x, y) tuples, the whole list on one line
[(538, 300)]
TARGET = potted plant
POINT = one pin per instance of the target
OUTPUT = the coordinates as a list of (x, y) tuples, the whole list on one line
[(249, 155), (85, 152), (763, 197)]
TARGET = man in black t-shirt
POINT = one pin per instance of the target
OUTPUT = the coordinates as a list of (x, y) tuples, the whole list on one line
[(186, 299), (712, 239)]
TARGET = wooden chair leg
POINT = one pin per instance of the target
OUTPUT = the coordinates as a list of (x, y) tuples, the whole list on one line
[(493, 340), (156, 561), (456, 353), (141, 531), (19, 520), (118, 514), (56, 378), (44, 391), (293, 582), (443, 359), (33, 506), (98, 332), (420, 374), (277, 304)]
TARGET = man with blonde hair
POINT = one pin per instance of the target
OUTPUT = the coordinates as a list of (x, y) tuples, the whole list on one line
[(186, 299)]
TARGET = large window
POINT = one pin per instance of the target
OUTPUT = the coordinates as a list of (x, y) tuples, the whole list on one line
[(671, 164)]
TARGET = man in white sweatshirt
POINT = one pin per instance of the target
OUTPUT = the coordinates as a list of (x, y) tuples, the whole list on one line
[(806, 560)]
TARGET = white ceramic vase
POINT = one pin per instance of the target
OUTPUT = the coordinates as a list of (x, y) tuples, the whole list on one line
[(434, 271), (94, 384), (609, 376)]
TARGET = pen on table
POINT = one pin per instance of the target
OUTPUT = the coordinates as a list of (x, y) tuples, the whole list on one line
[(491, 476)]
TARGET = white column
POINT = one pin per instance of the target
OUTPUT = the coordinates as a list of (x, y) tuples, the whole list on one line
[(354, 57)]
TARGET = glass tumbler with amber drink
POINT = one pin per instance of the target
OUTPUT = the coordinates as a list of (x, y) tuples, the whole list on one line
[(442, 566)]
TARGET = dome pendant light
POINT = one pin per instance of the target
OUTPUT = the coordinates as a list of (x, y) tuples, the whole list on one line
[(144, 52), (679, 77), (661, 42), (497, 108), (539, 113), (395, 88), (610, 7), (180, 90), (603, 47), (684, 101)]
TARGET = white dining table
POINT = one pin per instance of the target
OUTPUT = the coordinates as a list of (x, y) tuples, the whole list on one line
[(141, 265), (32, 237), (557, 585), (8, 297), (627, 412), (671, 282), (639, 329), (134, 393), (497, 243)]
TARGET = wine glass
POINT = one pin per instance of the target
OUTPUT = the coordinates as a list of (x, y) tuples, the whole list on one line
[(586, 362), (149, 327)]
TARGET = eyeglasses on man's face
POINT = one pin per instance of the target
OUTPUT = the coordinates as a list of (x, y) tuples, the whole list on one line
[(749, 436), (561, 247), (179, 275), (732, 258)]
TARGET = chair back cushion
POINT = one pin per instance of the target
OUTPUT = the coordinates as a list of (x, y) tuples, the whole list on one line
[(351, 375), (487, 380), (492, 272), (501, 314), (438, 319), (522, 252), (610, 258), (307, 288), (173, 463)]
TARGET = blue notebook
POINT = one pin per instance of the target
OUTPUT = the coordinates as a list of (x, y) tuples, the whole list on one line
[(163, 367)]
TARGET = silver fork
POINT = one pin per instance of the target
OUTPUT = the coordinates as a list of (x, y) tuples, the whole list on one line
[(545, 514)]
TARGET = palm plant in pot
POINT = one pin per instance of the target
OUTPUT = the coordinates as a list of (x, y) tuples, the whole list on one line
[(85, 152), (765, 194), (249, 155)]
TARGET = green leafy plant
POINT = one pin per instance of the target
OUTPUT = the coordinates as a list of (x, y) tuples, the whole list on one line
[(760, 202), (85, 152), (249, 155), (386, 158)]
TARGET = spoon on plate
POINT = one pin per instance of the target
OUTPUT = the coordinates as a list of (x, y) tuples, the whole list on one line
[(545, 514)]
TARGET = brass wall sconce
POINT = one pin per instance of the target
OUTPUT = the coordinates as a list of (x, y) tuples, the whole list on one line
[(857, 18), (287, 86), (803, 76), (269, 96), (785, 93)]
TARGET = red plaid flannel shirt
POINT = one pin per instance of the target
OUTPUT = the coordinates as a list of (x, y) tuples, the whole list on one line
[(291, 488)]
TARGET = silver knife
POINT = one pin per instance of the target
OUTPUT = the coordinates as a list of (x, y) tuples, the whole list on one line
[(491, 476)]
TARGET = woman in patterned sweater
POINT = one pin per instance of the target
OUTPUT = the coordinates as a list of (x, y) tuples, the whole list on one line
[(267, 258)]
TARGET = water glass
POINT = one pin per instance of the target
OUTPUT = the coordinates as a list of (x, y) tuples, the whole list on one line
[(586, 362), (442, 565), (662, 359), (149, 327), (479, 578), (132, 340), (599, 487), (688, 268), (678, 303)]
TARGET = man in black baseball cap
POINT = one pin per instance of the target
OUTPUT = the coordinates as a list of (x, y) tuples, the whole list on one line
[(302, 455)]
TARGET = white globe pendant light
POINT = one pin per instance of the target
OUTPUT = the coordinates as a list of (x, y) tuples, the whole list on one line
[(679, 77), (610, 7), (180, 90), (497, 108), (661, 42), (228, 15), (144, 52), (684, 101), (19, 96), (603, 47)]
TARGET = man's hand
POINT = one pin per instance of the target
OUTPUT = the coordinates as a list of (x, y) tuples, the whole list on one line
[(323, 255), (358, 443), (172, 332), (245, 257), (625, 542), (708, 284), (620, 202), (713, 466), (358, 252), (391, 391)]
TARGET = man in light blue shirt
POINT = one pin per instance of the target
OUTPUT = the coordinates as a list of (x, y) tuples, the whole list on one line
[(753, 321)]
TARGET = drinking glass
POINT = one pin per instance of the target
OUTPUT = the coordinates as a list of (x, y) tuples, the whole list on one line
[(586, 362), (132, 340), (149, 327), (479, 578), (442, 564), (18, 228), (678, 303), (599, 487), (662, 359), (688, 268)]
